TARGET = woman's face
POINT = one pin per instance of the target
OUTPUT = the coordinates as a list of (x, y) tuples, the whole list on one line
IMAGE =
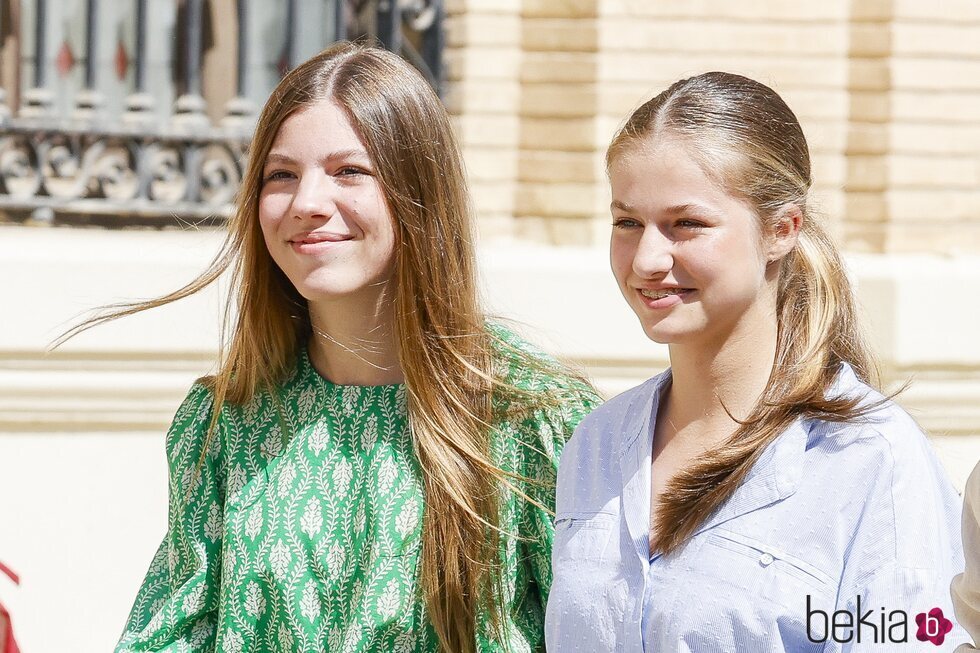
[(688, 255), (321, 209)]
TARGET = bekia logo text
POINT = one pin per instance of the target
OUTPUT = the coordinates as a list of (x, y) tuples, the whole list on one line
[(874, 626)]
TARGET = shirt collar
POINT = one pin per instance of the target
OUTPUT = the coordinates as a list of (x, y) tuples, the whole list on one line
[(775, 476), (846, 383), (778, 472), (640, 417)]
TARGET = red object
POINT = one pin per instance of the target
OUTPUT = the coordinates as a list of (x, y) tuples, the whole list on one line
[(122, 60), (65, 60), (7, 642), (10, 573)]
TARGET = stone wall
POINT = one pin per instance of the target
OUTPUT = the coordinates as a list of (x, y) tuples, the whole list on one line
[(886, 91)]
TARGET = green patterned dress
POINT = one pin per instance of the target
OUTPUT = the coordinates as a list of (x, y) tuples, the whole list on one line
[(301, 529)]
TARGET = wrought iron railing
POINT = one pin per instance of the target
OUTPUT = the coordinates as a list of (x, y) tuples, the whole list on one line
[(155, 155)]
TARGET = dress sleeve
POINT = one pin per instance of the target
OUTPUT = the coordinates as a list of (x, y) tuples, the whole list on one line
[(177, 605), (544, 437), (966, 586)]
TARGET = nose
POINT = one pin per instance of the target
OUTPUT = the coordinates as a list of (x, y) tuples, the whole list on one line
[(314, 197), (654, 254)]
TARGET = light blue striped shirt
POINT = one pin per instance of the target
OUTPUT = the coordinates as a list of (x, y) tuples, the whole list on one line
[(856, 518)]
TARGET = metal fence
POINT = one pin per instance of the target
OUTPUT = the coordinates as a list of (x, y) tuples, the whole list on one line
[(111, 115)]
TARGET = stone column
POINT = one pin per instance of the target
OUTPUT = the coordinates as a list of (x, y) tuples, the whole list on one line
[(933, 193), (483, 63), (561, 190)]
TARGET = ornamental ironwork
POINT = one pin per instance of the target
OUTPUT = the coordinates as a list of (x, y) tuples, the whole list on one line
[(152, 154)]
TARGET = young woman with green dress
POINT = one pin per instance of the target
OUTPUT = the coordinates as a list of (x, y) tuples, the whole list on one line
[(372, 466)]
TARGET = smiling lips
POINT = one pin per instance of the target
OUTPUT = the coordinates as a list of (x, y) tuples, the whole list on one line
[(316, 241), (315, 237), (664, 292)]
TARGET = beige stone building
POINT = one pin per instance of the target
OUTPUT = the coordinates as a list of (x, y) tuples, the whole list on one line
[(888, 92)]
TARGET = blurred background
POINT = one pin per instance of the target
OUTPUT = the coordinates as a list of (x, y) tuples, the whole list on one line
[(123, 124)]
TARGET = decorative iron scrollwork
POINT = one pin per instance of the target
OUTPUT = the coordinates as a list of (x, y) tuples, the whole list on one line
[(221, 175), (167, 181), (134, 167), (20, 170), (419, 15), (64, 172), (126, 172), (115, 170)]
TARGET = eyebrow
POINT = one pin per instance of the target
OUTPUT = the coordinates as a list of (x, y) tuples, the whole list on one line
[(675, 209), (686, 207), (275, 157)]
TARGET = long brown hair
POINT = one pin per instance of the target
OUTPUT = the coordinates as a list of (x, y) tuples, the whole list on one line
[(746, 137), (448, 356)]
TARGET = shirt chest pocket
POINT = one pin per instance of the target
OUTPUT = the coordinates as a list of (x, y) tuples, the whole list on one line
[(760, 570), (585, 538)]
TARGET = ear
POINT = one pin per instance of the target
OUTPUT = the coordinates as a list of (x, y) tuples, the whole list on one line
[(784, 232)]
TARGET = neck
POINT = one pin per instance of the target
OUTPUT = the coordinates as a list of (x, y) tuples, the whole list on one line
[(715, 381), (353, 342)]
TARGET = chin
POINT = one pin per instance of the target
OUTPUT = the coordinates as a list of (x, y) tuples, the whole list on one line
[(662, 338), (659, 335), (321, 294), (668, 335), (339, 289)]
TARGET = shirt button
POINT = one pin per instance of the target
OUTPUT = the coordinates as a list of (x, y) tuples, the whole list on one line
[(766, 559)]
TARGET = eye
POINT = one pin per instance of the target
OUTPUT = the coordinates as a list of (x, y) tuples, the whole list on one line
[(277, 175), (687, 223), (352, 171), (626, 223)]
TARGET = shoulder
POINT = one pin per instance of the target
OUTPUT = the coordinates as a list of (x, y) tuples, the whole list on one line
[(266, 405), (902, 496), (610, 427), (972, 492), (237, 423), (194, 443), (885, 434), (534, 379), (198, 402), (521, 363), (625, 405), (589, 471), (538, 403), (192, 420)]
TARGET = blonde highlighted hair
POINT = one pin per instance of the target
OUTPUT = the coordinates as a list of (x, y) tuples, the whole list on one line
[(745, 137), (447, 354)]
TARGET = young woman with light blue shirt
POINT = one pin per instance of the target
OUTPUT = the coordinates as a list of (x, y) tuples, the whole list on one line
[(759, 495)]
